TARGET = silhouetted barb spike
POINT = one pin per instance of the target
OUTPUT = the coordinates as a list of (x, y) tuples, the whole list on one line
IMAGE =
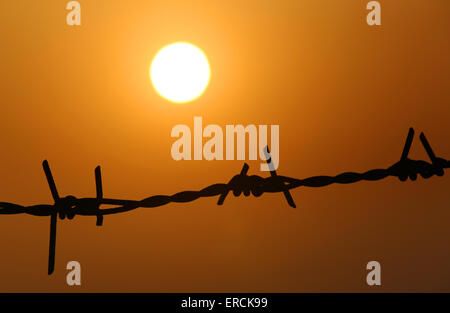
[(407, 147), (405, 153), (53, 218), (51, 182), (99, 190), (244, 169), (273, 173), (438, 165)]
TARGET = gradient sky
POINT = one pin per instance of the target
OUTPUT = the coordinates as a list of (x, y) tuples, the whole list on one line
[(343, 93)]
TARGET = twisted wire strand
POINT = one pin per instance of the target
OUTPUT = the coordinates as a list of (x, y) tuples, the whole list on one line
[(242, 183), (239, 184)]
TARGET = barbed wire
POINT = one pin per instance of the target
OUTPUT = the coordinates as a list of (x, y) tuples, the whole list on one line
[(241, 183)]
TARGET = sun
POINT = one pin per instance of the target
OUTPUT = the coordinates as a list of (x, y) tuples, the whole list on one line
[(180, 72)]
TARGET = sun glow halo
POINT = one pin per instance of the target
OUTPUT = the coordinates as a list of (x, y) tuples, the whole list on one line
[(180, 72)]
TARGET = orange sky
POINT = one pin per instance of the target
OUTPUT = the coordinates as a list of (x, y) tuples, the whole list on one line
[(343, 93)]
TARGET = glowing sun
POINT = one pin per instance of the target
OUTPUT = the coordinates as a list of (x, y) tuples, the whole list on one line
[(180, 72)]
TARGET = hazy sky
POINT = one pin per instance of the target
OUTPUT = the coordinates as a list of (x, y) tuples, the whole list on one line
[(343, 94)]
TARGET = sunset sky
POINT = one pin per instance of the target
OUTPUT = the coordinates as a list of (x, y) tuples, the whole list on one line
[(343, 93)]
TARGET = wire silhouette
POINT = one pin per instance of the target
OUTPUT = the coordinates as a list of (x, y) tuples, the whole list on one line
[(71, 206)]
